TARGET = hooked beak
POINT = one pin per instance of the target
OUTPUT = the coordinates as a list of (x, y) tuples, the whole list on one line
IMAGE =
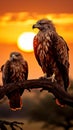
[(36, 26), (13, 57)]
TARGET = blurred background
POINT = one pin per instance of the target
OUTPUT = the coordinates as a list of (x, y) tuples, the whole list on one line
[(16, 19)]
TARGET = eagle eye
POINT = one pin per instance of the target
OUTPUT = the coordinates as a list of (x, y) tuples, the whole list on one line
[(40, 22), (17, 54)]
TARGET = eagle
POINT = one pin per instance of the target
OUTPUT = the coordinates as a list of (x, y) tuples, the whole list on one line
[(13, 71), (51, 52)]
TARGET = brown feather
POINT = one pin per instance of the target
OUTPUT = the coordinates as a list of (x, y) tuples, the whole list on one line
[(51, 52), (15, 70)]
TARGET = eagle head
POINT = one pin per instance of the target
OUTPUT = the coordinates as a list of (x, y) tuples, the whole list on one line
[(15, 56), (44, 24)]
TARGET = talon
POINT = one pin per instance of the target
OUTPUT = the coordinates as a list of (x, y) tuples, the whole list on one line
[(41, 90), (41, 77), (29, 90), (59, 104), (44, 77), (52, 77)]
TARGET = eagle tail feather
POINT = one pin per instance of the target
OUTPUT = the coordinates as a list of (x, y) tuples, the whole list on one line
[(15, 101), (59, 104)]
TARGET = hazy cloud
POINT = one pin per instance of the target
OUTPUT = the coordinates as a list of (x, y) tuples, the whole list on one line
[(28, 18)]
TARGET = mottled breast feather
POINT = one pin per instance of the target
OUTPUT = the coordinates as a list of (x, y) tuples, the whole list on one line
[(52, 54)]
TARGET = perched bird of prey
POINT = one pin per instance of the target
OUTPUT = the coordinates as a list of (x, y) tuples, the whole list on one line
[(13, 71), (52, 52)]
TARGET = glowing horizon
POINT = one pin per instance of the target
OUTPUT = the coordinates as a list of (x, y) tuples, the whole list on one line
[(14, 24)]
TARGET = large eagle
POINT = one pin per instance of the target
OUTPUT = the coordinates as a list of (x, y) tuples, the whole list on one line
[(52, 52), (15, 70)]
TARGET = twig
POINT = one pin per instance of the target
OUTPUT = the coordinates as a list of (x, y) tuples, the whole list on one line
[(14, 125)]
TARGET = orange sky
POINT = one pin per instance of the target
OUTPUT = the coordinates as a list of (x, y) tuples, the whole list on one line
[(10, 28), (38, 6), (17, 17)]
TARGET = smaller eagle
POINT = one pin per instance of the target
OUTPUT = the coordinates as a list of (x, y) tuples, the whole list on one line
[(13, 71), (52, 52)]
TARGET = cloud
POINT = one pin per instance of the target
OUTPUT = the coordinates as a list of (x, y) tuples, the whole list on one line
[(13, 24), (25, 16)]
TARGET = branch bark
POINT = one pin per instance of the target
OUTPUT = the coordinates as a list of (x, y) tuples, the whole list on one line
[(45, 84)]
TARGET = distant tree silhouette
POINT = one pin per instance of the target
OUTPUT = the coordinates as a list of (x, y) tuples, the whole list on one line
[(13, 125)]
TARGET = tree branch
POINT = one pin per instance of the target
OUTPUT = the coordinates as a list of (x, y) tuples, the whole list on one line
[(46, 84), (13, 125)]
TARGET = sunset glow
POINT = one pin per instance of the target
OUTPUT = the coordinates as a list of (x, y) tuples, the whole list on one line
[(13, 24), (25, 41), (16, 35), (17, 18)]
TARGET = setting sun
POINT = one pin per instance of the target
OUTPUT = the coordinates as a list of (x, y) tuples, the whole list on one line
[(25, 41)]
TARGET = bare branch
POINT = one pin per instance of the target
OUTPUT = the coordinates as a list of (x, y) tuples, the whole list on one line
[(13, 125), (45, 84)]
